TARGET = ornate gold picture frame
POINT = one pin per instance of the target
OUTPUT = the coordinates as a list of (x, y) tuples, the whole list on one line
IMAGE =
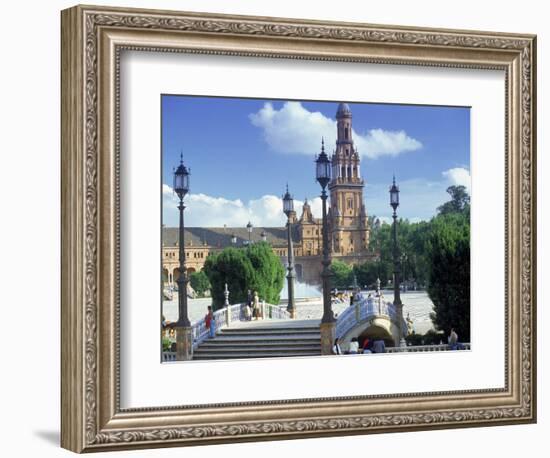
[(93, 39)]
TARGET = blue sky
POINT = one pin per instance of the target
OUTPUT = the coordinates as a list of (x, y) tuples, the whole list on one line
[(242, 152)]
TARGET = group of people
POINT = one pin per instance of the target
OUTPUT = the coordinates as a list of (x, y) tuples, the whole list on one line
[(369, 346), (252, 307), (252, 310)]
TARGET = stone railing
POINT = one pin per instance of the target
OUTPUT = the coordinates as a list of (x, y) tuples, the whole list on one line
[(223, 318), (424, 348), (168, 356), (226, 315), (275, 312), (346, 321)]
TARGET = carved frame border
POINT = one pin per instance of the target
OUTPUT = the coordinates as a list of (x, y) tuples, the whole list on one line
[(92, 39)]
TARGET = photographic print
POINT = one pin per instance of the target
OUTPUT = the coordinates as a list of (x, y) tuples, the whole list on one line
[(305, 228), (307, 214)]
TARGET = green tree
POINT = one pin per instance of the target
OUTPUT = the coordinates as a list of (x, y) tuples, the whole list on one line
[(256, 268), (459, 203), (269, 273), (449, 279), (412, 239), (199, 282), (342, 274), (368, 272)]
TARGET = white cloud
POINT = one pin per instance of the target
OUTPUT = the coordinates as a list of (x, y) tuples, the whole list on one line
[(380, 142), (459, 176), (295, 130), (207, 211)]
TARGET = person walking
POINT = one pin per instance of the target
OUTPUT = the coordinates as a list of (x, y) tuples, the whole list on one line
[(256, 308), (354, 346), (453, 340), (247, 312), (210, 322), (366, 346), (379, 346), (249, 298), (336, 350)]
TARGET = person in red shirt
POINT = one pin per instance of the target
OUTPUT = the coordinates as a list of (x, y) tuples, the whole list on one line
[(366, 346), (210, 322)]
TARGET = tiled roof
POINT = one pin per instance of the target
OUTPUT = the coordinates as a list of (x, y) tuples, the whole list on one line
[(220, 237)]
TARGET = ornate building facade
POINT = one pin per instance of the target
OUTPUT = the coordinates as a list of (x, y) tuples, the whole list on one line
[(347, 222)]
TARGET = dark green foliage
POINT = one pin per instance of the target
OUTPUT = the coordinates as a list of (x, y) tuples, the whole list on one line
[(256, 268), (449, 283), (430, 338), (437, 255), (269, 273), (342, 274), (433, 338), (414, 339), (199, 282), (459, 203), (369, 271), (412, 239)]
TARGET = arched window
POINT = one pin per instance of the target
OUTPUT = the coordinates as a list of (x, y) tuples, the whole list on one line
[(346, 133)]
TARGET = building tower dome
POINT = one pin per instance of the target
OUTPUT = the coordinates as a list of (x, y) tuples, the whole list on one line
[(343, 111)]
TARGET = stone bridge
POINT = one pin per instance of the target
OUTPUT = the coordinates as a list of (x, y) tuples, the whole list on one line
[(370, 316)]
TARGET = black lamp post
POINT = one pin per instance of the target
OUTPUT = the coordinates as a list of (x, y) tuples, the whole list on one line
[(249, 229), (181, 188), (233, 239), (394, 202), (288, 208), (323, 169), (404, 262)]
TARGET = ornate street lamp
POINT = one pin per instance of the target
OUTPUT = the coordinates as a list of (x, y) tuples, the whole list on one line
[(288, 208), (184, 346), (323, 169), (394, 202), (249, 229), (233, 239), (263, 236)]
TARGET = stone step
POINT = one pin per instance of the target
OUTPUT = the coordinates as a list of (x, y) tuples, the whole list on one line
[(257, 348), (270, 331), (210, 356), (221, 342)]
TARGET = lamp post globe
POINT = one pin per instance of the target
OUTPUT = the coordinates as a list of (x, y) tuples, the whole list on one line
[(394, 195), (288, 203), (181, 180), (249, 229), (323, 167), (288, 209)]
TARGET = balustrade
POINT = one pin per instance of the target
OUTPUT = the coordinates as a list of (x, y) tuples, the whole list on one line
[(236, 313)]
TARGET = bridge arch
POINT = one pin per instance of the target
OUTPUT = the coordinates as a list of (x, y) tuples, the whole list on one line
[(373, 328)]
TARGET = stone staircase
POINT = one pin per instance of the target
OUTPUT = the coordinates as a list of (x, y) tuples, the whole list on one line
[(260, 340)]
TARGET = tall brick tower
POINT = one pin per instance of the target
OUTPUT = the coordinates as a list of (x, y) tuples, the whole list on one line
[(348, 216)]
